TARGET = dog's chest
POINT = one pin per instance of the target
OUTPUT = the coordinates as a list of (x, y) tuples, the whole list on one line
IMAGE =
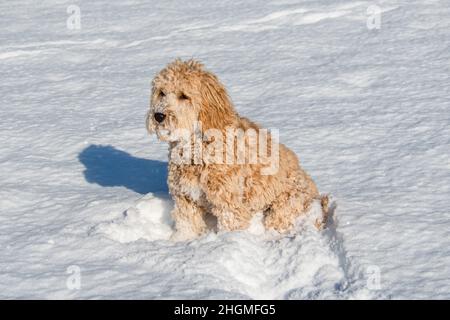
[(185, 180)]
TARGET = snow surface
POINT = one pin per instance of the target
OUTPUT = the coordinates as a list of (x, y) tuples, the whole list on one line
[(366, 110)]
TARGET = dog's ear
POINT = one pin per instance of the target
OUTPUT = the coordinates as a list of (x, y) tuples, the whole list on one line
[(149, 123), (216, 111)]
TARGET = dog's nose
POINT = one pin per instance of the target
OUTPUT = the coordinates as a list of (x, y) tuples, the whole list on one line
[(159, 117)]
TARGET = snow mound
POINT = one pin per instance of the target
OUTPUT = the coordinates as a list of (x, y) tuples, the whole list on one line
[(148, 219)]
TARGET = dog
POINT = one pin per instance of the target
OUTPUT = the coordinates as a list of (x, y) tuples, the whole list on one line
[(191, 111)]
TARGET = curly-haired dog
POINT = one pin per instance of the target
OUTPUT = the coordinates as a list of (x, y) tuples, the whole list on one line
[(188, 102)]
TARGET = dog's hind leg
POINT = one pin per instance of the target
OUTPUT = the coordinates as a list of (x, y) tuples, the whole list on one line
[(189, 219), (282, 213)]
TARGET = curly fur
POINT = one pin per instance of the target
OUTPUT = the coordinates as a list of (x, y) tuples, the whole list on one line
[(232, 193)]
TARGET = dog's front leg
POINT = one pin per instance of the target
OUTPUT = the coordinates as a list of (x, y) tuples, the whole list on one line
[(189, 219)]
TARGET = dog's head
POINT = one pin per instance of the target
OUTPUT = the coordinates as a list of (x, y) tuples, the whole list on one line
[(184, 97)]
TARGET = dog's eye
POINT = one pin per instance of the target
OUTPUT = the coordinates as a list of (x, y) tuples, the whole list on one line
[(182, 96), (162, 94)]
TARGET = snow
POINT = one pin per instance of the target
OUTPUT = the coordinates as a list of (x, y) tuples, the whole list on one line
[(83, 185), (149, 219)]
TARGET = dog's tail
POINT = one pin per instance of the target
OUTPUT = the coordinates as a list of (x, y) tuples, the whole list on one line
[(321, 222)]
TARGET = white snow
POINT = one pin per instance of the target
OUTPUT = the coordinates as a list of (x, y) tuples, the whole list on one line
[(149, 220), (83, 186)]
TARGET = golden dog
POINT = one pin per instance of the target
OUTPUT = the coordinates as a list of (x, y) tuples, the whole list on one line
[(221, 164)]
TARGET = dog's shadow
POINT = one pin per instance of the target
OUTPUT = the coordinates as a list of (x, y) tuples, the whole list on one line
[(110, 167)]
